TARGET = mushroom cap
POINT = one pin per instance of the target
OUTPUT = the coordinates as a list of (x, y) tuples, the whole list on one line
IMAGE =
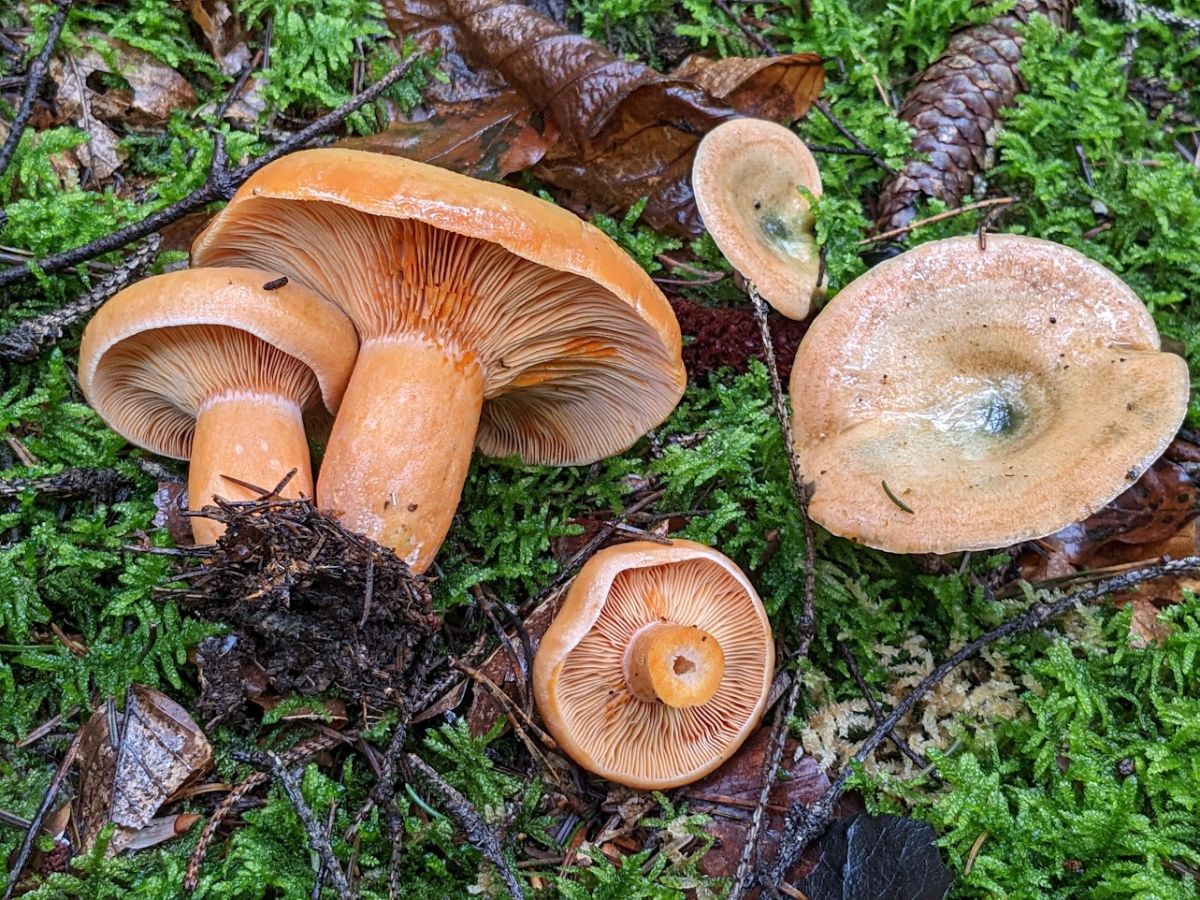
[(580, 351), (998, 394), (579, 679), (745, 179), (154, 352)]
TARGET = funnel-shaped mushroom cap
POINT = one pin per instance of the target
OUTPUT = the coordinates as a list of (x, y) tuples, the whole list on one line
[(578, 349), (160, 349), (747, 178), (954, 398), (658, 665)]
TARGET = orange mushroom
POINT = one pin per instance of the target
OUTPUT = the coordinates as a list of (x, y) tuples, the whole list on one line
[(752, 180), (657, 666), (487, 317), (209, 365), (954, 398)]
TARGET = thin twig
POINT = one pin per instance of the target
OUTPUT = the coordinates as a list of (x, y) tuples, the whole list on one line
[(929, 220), (318, 840), (750, 850), (477, 832), (33, 84), (901, 744), (751, 35), (804, 824), (29, 338), (297, 754), (222, 182), (35, 824), (823, 109)]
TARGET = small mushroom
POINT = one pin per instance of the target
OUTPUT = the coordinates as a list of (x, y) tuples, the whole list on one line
[(658, 665), (747, 179), (954, 398), (206, 365), (487, 317)]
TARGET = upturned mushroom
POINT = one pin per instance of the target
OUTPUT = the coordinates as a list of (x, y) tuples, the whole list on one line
[(487, 317), (958, 398), (210, 365), (657, 666), (752, 180)]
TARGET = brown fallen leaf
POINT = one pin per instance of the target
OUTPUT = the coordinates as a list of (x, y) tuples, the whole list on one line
[(624, 131), (955, 107), (155, 90), (503, 667), (160, 830), (125, 777), (223, 32), (489, 140), (730, 794), (170, 504)]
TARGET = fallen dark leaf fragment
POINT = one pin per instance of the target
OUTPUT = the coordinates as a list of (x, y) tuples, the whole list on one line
[(124, 777), (614, 131), (730, 794), (878, 858), (717, 336)]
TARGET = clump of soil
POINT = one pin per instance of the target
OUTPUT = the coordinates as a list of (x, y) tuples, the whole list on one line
[(313, 608), (717, 336)]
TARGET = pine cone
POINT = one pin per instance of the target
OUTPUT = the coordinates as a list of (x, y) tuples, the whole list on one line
[(955, 105)]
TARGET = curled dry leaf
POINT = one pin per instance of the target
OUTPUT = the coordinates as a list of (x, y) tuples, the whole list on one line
[(125, 777), (223, 33), (955, 108), (616, 130)]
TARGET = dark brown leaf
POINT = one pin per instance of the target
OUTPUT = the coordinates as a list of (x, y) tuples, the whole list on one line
[(485, 139), (955, 107), (730, 794), (170, 504), (124, 778), (503, 667), (624, 131)]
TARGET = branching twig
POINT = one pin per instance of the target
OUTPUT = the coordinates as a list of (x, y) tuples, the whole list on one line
[(35, 824), (901, 744), (297, 754), (24, 342), (67, 484), (318, 840), (806, 823), (33, 84), (221, 183), (477, 832), (823, 109)]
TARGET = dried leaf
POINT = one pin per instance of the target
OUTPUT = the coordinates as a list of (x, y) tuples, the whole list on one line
[(489, 139), (955, 108), (624, 131), (223, 33), (730, 795), (161, 830), (124, 778), (502, 668), (154, 92), (878, 858)]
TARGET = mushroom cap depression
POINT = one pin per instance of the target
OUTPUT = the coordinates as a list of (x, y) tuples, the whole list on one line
[(157, 350), (746, 178), (583, 668), (580, 351), (954, 398)]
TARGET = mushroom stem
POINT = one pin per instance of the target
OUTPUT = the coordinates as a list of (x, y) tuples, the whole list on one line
[(401, 445), (255, 438), (679, 665)]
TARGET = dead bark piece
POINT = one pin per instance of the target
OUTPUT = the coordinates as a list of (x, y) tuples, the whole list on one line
[(955, 107), (125, 776)]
